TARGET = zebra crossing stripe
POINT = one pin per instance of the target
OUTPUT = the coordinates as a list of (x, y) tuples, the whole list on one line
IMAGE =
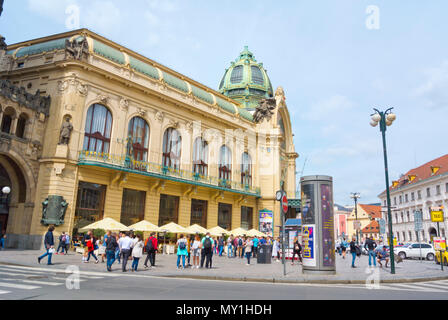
[(24, 273), (87, 274), (442, 287), (18, 286), (4, 292), (410, 287)]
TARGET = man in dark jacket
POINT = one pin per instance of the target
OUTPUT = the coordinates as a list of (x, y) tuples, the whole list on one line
[(151, 248), (111, 247), (49, 245), (370, 246)]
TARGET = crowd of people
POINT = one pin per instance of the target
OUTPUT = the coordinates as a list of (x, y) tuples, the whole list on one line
[(192, 251), (375, 252)]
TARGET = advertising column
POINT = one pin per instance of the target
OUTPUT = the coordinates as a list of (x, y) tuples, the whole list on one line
[(318, 225)]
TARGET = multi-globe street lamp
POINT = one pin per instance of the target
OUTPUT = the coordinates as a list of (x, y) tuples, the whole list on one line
[(385, 119), (356, 196)]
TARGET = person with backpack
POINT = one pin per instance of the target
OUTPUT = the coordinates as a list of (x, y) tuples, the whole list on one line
[(370, 246), (111, 247), (181, 251), (297, 250), (207, 251), (240, 246), (61, 244), (49, 246), (151, 248), (67, 243)]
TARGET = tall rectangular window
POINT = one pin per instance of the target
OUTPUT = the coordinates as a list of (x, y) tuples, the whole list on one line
[(438, 190), (168, 209), (89, 204), (199, 212), (428, 192), (412, 196), (132, 207), (225, 216), (419, 195), (247, 217)]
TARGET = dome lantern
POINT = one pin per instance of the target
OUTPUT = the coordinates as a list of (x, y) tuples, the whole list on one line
[(246, 81)]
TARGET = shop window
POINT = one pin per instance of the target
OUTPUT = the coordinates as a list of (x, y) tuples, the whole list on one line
[(89, 204), (225, 216), (168, 209), (247, 218), (132, 207), (198, 213)]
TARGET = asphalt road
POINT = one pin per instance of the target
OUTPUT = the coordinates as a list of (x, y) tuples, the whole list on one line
[(41, 283)]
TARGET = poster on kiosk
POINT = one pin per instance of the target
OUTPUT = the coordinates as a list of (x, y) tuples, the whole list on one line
[(318, 240)]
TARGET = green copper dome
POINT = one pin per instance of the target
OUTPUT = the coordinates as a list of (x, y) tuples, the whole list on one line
[(246, 81)]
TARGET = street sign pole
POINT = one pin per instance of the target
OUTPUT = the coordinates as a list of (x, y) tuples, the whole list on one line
[(281, 196), (441, 252)]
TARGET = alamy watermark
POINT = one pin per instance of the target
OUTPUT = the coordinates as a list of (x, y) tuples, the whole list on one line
[(72, 281), (73, 17), (373, 18), (373, 280)]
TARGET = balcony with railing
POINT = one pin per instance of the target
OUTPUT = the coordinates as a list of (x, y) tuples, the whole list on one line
[(154, 170)]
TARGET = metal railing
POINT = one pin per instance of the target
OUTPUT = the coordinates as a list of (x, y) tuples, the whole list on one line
[(125, 163)]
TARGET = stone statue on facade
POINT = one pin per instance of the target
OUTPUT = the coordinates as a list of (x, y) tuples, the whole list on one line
[(19, 94), (1, 7), (66, 131), (77, 49), (3, 45), (53, 210), (265, 110)]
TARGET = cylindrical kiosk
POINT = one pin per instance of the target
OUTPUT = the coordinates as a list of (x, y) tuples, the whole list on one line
[(318, 241)]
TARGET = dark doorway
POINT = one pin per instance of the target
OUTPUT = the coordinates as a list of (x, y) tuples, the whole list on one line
[(89, 204), (225, 216), (199, 212), (4, 200)]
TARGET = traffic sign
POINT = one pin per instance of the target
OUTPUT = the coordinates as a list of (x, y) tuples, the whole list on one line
[(284, 204), (436, 215)]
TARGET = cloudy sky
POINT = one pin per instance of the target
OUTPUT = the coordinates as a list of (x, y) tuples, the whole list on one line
[(336, 60)]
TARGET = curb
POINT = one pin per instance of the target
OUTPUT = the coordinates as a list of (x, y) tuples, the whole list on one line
[(303, 281)]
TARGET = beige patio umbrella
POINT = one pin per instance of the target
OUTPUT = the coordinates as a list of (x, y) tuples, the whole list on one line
[(218, 231), (106, 224), (174, 228), (255, 233), (239, 232), (195, 228), (145, 226)]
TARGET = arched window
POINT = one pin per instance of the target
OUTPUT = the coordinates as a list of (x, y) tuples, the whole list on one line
[(21, 124), (200, 157), (98, 129), (139, 132), (225, 163), (246, 170), (172, 148)]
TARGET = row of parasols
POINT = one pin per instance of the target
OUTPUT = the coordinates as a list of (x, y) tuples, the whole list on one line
[(146, 226)]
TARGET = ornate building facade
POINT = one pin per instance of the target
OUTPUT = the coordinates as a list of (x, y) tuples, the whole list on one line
[(91, 129)]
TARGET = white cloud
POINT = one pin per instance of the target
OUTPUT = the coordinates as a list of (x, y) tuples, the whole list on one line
[(434, 90)]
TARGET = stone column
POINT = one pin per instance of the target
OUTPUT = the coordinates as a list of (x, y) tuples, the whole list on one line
[(14, 125)]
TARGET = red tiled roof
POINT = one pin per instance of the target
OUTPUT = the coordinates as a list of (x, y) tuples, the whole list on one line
[(372, 227), (424, 171), (373, 211)]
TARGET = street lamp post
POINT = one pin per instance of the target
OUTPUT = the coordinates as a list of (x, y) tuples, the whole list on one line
[(386, 119), (356, 196)]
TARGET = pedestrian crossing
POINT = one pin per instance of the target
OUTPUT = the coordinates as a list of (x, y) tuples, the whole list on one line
[(440, 286), (14, 278)]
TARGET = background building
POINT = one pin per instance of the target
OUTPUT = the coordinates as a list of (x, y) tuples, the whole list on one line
[(419, 189), (366, 216), (91, 129), (341, 215)]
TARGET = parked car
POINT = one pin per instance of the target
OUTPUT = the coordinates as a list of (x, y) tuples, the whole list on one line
[(413, 251), (445, 257)]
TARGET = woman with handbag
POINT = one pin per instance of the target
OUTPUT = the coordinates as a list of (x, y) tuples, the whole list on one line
[(49, 246), (91, 243)]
